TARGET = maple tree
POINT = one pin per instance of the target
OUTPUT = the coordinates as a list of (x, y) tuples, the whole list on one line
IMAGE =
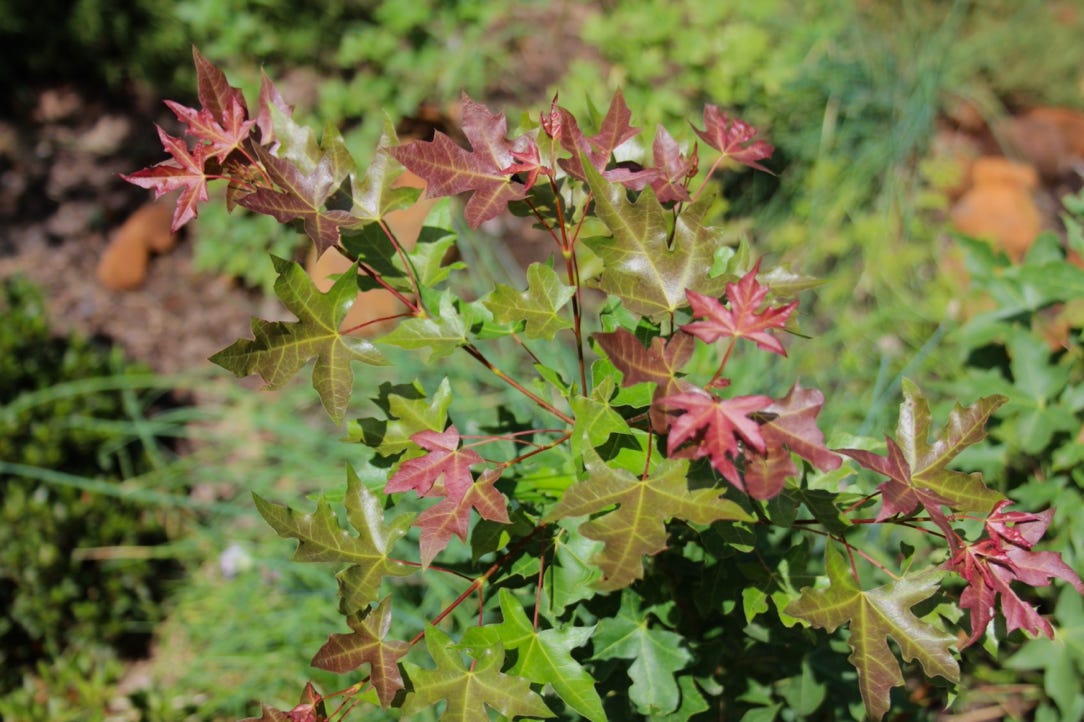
[(672, 500)]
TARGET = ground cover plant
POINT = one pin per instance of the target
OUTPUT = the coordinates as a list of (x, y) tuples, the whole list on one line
[(79, 425), (646, 530)]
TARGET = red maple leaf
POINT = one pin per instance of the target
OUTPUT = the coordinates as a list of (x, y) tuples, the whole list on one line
[(445, 463), (598, 148), (714, 426), (767, 473), (791, 427), (452, 516), (185, 170), (269, 98), (449, 169), (733, 138), (528, 161), (741, 320), (220, 139), (213, 89), (1005, 555), (900, 495), (672, 168), (445, 471), (300, 197)]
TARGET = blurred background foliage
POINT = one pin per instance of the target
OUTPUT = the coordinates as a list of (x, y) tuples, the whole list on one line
[(114, 491)]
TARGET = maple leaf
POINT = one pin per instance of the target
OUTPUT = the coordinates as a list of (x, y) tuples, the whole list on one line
[(270, 98), (322, 539), (671, 169), (598, 148), (469, 690), (443, 332), (310, 709), (637, 527), (279, 348), (542, 656), (766, 474), (659, 363), (185, 170), (657, 654), (715, 427), (449, 169), (366, 644), (213, 90), (220, 138), (375, 194), (648, 264), (538, 306), (1004, 556), (301, 197), (596, 419), (445, 471), (918, 470), (733, 138), (874, 616), (792, 425), (408, 412), (899, 495), (742, 319)]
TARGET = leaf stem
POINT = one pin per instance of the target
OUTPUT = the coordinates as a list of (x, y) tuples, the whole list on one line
[(479, 582), (542, 403), (722, 364), (368, 271), (707, 179), (375, 321), (411, 271)]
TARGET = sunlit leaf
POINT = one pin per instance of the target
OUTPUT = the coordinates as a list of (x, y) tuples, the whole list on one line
[(279, 349)]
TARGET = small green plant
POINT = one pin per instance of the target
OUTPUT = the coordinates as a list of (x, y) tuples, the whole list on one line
[(62, 456), (1025, 343), (639, 531)]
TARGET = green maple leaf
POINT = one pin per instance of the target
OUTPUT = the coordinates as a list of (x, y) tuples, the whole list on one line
[(874, 616), (366, 645), (442, 334), (279, 349), (406, 416), (322, 539), (538, 306), (375, 194), (657, 655), (929, 461), (637, 527), (644, 266), (596, 420), (469, 690), (544, 657)]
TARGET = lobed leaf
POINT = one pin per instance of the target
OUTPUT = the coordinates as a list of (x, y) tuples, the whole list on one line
[(657, 655), (469, 690), (484, 170), (637, 527), (873, 617), (322, 539), (302, 197), (442, 334), (542, 656), (366, 644), (279, 349), (538, 307), (645, 267)]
